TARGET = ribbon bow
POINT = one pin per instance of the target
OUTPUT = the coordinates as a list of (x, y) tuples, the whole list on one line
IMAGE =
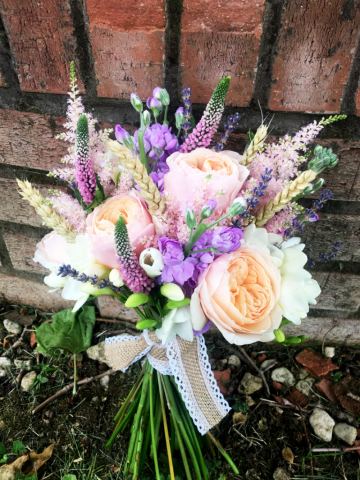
[(187, 361)]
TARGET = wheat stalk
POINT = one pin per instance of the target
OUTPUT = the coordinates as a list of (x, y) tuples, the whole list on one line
[(255, 145), (148, 189), (284, 197), (47, 213)]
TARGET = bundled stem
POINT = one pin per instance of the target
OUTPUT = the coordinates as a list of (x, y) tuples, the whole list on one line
[(48, 214), (284, 197)]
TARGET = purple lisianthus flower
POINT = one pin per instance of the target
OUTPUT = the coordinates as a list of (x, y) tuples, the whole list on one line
[(180, 111), (171, 250), (120, 133), (227, 239), (156, 92), (180, 273)]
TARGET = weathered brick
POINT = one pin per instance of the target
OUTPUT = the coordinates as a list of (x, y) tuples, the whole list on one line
[(127, 40), (221, 38), (21, 250), (25, 292), (339, 292), (111, 308), (14, 208), (317, 44), (28, 140), (319, 236), (41, 37), (337, 331), (3, 83)]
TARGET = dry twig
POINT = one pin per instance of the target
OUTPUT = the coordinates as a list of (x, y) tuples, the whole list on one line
[(16, 344), (307, 439), (67, 389)]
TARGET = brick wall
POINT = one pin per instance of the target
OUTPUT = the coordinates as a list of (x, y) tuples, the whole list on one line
[(298, 59)]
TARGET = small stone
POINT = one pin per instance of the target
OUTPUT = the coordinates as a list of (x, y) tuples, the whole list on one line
[(221, 364), (12, 327), (28, 380), (322, 424), (234, 360), (104, 382), (95, 399), (303, 374), (279, 410), (249, 400), (3, 372), (250, 384), (2, 425), (97, 352), (305, 386), (267, 363), (283, 375), (345, 432), (25, 364), (5, 362), (252, 475), (262, 358), (281, 474), (329, 352)]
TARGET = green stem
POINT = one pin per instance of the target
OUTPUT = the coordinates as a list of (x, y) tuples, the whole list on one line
[(74, 389), (157, 422), (152, 426), (181, 445), (136, 422), (182, 427), (139, 312), (138, 449), (224, 454), (155, 164), (131, 395), (217, 221), (199, 251), (145, 449), (143, 158), (165, 122), (200, 229), (166, 431)]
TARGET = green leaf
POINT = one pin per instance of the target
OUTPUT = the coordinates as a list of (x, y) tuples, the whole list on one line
[(69, 477), (71, 331), (44, 380), (2, 449), (78, 196), (284, 322), (99, 185), (18, 447), (3, 459), (99, 195)]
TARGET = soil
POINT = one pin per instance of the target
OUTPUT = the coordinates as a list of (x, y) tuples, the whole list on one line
[(80, 425)]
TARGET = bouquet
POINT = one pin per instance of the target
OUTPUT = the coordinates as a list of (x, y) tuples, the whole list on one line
[(189, 235)]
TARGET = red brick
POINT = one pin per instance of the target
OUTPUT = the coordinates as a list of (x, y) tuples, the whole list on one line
[(221, 38), (316, 48), (357, 111), (28, 140), (41, 37), (25, 292), (21, 250), (111, 308), (127, 40), (14, 208)]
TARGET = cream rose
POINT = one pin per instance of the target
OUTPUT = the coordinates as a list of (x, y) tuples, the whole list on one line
[(101, 226), (221, 171), (239, 293)]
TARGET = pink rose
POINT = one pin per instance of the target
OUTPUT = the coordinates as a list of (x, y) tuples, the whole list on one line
[(101, 225), (239, 293), (50, 252), (189, 171)]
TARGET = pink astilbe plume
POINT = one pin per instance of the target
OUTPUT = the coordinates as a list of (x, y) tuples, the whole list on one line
[(132, 274), (69, 208), (284, 219)]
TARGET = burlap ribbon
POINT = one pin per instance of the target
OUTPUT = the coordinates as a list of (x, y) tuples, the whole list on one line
[(187, 361)]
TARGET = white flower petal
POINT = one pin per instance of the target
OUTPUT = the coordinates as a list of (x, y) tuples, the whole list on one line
[(185, 330), (198, 317), (72, 290), (290, 243), (293, 261), (151, 260), (80, 302)]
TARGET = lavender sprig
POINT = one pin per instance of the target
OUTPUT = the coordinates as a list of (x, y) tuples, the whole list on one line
[(229, 127), (323, 257)]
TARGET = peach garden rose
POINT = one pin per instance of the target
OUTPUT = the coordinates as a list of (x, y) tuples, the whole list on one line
[(239, 294), (101, 226), (189, 171)]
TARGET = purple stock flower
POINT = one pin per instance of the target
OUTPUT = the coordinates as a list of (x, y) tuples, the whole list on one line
[(159, 137), (180, 273), (179, 111), (171, 250), (205, 329), (120, 133), (227, 239)]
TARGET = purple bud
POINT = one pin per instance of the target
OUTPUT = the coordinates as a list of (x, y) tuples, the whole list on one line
[(120, 133), (156, 92), (154, 103), (179, 111), (148, 102)]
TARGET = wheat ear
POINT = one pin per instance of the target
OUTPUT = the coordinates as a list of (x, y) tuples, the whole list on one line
[(255, 144), (284, 197), (148, 189), (47, 213)]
